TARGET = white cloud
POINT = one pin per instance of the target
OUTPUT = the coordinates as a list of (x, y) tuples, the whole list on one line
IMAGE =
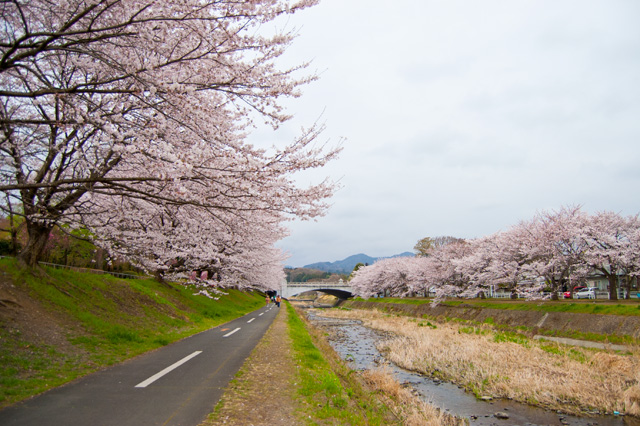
[(462, 118)]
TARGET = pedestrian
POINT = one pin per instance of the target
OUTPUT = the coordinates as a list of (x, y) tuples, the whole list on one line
[(267, 300), (278, 300)]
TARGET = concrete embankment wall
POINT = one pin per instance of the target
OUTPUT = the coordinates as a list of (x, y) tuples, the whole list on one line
[(537, 321)]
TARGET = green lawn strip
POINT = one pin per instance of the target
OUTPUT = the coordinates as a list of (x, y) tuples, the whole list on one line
[(604, 307), (331, 392), (108, 320)]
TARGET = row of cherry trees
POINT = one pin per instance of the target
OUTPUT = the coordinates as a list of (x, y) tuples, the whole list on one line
[(129, 118), (531, 258)]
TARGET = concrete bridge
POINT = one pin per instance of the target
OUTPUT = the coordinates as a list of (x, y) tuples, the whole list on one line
[(339, 289)]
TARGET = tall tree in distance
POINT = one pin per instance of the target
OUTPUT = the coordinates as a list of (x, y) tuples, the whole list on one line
[(424, 246)]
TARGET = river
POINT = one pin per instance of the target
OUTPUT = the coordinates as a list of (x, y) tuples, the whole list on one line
[(356, 345)]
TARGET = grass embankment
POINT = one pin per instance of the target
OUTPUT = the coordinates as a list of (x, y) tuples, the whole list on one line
[(620, 308), (335, 395), (582, 306), (500, 364), (58, 325), (320, 384)]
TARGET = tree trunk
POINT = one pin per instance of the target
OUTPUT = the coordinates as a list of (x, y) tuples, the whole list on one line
[(158, 274), (15, 244), (555, 286), (627, 285), (38, 235), (613, 286), (99, 257)]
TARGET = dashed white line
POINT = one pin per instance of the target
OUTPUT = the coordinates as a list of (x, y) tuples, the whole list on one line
[(250, 320), (167, 370), (231, 332), (261, 314)]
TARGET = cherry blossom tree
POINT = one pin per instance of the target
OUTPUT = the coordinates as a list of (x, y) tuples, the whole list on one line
[(367, 281), (444, 276), (406, 276), (398, 277), (551, 241), (528, 258), (510, 255), (103, 101), (559, 246), (173, 241), (386, 276), (610, 250), (469, 264)]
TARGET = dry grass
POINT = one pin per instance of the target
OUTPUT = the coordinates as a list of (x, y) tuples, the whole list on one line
[(491, 363), (404, 403)]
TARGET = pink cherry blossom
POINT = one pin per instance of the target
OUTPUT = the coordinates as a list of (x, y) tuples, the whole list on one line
[(130, 118), (532, 259)]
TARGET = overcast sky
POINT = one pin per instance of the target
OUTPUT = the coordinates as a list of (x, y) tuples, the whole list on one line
[(462, 118)]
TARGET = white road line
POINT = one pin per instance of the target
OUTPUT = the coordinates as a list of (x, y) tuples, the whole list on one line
[(261, 314), (231, 332), (167, 370), (250, 320)]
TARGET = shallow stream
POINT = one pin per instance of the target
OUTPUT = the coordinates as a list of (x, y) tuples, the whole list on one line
[(356, 344)]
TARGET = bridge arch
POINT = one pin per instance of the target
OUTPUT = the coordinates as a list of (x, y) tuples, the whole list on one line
[(341, 290)]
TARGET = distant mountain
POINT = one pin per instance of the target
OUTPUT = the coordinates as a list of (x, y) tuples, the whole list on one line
[(345, 266)]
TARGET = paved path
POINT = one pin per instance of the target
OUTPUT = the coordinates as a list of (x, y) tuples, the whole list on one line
[(178, 384), (582, 343)]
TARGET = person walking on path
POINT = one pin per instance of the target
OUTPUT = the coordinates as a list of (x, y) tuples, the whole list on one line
[(266, 299), (278, 300)]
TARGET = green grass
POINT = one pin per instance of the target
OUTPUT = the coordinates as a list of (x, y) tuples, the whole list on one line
[(563, 350), (473, 330), (46, 368), (107, 320), (604, 307), (507, 336), (332, 398)]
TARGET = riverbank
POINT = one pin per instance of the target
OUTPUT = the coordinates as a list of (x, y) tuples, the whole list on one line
[(615, 329), (494, 363)]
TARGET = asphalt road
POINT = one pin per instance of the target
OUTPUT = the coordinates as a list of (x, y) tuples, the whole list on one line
[(178, 384)]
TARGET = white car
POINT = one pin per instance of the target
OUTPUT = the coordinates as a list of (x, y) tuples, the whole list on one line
[(586, 293)]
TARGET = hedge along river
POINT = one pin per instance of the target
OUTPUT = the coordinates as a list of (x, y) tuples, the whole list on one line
[(356, 345)]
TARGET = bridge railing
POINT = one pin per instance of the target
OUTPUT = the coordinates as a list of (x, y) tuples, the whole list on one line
[(316, 284), (289, 289)]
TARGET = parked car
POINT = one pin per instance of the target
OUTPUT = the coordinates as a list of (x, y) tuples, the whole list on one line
[(567, 294), (586, 293)]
